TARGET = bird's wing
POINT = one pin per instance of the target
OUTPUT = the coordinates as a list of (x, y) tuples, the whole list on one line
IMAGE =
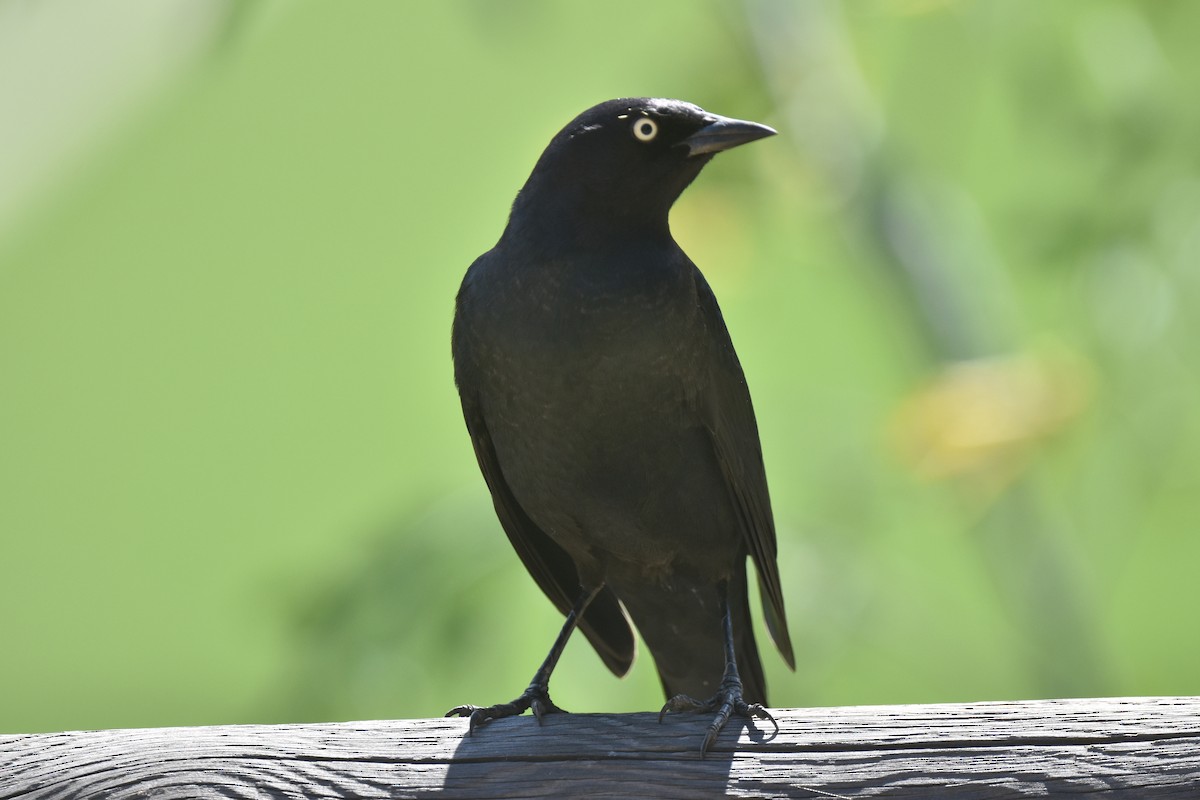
[(729, 416), (604, 623)]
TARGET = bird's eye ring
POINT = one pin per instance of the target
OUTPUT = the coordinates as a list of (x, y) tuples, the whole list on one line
[(645, 129)]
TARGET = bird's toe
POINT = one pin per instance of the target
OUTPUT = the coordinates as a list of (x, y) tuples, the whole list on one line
[(727, 702), (535, 697)]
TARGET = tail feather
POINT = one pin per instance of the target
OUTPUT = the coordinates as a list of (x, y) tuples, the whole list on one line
[(607, 628)]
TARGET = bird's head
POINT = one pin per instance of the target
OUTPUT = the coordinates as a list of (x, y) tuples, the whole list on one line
[(624, 163)]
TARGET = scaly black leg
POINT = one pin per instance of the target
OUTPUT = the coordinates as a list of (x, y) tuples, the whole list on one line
[(537, 695), (728, 699)]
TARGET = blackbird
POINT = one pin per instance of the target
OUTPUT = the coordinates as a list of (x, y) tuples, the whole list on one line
[(611, 418)]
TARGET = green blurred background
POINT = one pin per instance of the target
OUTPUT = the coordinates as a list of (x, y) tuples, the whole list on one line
[(234, 480)]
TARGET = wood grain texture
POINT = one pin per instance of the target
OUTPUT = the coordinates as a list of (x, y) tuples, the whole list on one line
[(1111, 748)]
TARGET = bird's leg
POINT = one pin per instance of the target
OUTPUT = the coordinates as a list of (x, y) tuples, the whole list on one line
[(537, 695), (728, 699)]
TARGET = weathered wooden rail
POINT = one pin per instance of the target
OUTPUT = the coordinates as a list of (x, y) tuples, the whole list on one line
[(1110, 748)]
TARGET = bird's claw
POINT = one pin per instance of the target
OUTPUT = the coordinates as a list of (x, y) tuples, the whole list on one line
[(536, 697), (726, 702)]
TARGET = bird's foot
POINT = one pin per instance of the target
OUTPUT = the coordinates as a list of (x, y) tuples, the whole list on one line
[(536, 697), (726, 702)]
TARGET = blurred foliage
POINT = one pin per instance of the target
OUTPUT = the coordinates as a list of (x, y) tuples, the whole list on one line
[(234, 483)]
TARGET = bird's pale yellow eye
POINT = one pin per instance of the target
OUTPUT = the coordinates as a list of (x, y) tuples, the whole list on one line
[(645, 129)]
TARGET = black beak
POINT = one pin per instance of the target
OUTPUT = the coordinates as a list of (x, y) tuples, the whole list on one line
[(722, 134)]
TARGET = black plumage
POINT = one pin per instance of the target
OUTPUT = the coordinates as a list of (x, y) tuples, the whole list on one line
[(611, 418)]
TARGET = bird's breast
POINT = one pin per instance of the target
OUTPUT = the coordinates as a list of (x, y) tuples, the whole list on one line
[(588, 389), (600, 321)]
